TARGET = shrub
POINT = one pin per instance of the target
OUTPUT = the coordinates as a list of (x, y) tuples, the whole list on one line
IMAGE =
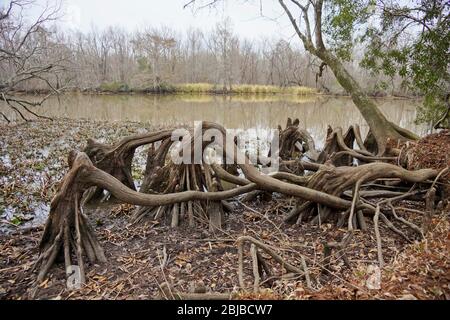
[(114, 86)]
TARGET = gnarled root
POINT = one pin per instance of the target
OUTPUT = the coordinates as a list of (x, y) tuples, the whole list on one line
[(336, 180), (179, 178), (67, 229), (67, 232), (339, 148), (154, 174), (117, 159), (294, 142), (194, 192)]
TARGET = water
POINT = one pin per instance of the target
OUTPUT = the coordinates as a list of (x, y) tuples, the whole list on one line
[(256, 115), (234, 112)]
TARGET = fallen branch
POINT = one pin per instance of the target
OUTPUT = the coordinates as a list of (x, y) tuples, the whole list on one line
[(290, 268)]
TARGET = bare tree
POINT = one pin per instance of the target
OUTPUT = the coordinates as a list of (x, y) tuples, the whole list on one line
[(194, 46), (222, 44), (156, 46), (28, 54), (248, 63)]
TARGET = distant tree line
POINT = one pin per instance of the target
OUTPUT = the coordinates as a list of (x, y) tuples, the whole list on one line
[(156, 58)]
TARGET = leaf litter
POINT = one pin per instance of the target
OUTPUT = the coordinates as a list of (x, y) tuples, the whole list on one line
[(142, 257)]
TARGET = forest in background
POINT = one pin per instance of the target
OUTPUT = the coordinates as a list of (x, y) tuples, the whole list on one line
[(159, 59)]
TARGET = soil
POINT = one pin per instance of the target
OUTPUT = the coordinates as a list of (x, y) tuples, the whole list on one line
[(142, 257)]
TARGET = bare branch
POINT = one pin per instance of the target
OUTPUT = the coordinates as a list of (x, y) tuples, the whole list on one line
[(305, 17), (306, 42)]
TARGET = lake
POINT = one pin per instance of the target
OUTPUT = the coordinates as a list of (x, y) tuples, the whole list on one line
[(236, 112)]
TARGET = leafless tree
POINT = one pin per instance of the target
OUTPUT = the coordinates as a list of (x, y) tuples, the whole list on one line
[(223, 44), (156, 46), (29, 55)]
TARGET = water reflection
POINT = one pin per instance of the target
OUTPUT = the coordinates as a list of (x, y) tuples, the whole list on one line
[(315, 112)]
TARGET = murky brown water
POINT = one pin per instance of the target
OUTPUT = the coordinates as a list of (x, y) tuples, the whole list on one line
[(314, 112)]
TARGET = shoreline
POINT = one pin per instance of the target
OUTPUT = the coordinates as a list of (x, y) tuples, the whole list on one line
[(96, 92)]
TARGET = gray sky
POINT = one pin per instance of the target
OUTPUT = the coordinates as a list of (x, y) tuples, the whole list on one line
[(132, 14)]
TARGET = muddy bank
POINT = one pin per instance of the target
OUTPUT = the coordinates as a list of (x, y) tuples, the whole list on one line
[(142, 257)]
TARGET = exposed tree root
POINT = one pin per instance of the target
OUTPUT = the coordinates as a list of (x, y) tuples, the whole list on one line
[(294, 142), (117, 159), (67, 229), (156, 159), (193, 193), (336, 180), (186, 178), (162, 176), (339, 148)]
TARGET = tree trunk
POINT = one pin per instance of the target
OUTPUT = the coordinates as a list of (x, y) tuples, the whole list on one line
[(382, 129)]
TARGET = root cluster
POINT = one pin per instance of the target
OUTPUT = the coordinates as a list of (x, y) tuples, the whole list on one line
[(338, 185)]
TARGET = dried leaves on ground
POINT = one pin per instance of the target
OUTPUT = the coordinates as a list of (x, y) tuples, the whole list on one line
[(142, 257)]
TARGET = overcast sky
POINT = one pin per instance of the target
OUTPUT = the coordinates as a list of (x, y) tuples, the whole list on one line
[(132, 14)]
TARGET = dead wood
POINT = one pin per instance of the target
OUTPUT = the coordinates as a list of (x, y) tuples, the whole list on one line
[(271, 252)]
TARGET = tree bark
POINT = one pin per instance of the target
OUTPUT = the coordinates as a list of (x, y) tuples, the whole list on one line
[(382, 129)]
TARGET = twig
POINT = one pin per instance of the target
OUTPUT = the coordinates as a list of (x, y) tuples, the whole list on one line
[(354, 201), (240, 241), (429, 204), (253, 252), (409, 224), (305, 269), (377, 235)]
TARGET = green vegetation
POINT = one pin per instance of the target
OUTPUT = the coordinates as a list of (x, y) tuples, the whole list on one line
[(16, 221), (39, 166), (422, 60), (116, 87)]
